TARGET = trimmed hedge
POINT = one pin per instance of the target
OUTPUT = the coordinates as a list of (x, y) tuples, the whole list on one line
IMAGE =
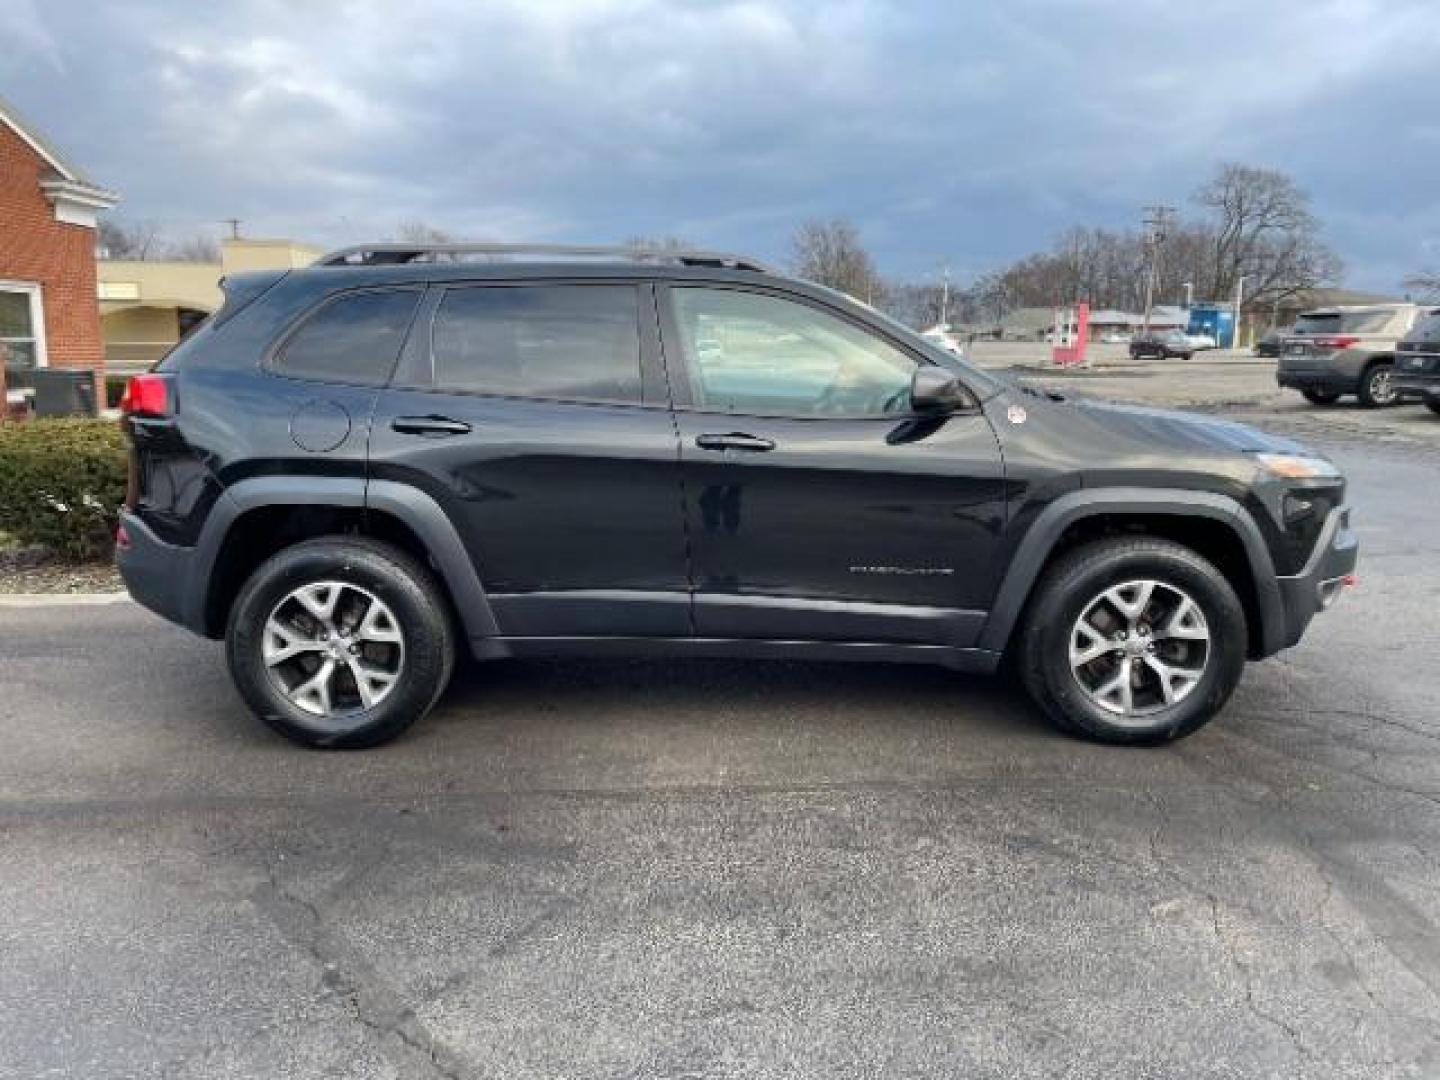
[(62, 483)]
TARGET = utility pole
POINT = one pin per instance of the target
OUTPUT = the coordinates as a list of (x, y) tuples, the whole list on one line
[(234, 223), (945, 298), (1157, 225)]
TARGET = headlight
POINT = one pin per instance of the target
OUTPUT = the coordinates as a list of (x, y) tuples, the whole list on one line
[(1298, 466)]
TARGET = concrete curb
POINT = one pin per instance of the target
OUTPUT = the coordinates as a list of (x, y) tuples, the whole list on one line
[(42, 600)]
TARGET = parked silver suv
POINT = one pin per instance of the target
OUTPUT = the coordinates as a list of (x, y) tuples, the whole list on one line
[(1346, 350)]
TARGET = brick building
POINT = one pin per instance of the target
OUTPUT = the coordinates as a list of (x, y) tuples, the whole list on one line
[(49, 315)]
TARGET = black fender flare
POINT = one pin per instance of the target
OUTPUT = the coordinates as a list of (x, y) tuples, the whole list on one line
[(1030, 557), (417, 510)]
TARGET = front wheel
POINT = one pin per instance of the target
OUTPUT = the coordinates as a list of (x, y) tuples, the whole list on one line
[(1377, 390), (340, 642), (1321, 397), (1133, 640)]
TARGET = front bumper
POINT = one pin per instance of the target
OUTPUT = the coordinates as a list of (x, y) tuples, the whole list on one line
[(159, 575), (1329, 570), (1423, 387)]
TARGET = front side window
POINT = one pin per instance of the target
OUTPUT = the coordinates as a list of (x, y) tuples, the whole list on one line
[(19, 337), (556, 342), (354, 338), (753, 353)]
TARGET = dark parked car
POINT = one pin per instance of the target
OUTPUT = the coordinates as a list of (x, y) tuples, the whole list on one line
[(1269, 345), (1162, 345), (354, 471), (1417, 363)]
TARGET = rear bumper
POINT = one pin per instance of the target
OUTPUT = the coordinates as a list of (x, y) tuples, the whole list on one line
[(159, 575), (1319, 584), (1326, 381)]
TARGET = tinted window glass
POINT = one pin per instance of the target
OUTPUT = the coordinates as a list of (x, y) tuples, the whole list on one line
[(567, 342), (1348, 322), (753, 353), (1427, 330), (352, 339)]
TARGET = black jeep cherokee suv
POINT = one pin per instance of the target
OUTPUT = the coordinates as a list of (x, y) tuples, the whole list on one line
[(352, 469)]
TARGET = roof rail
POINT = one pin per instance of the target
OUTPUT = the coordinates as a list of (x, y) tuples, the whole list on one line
[(390, 254)]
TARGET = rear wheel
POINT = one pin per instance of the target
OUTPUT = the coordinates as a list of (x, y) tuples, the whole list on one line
[(1377, 390), (1433, 405), (1135, 640), (340, 642), (1321, 397)]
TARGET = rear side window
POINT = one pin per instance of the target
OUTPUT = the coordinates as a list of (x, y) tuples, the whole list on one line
[(354, 338), (1366, 322), (561, 342)]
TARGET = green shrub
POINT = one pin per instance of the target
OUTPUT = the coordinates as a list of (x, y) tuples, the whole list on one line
[(62, 483)]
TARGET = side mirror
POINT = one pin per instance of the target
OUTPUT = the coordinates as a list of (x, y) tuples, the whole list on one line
[(933, 389)]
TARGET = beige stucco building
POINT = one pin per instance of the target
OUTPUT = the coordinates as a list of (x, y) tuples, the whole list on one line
[(147, 306)]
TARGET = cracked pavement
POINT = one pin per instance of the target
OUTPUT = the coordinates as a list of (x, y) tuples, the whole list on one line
[(731, 869)]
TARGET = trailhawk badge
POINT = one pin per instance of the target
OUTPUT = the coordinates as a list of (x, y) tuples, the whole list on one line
[(1016, 414)]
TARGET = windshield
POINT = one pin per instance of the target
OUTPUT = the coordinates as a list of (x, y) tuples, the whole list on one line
[(1428, 329)]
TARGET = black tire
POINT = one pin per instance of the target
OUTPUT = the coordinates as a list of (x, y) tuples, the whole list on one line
[(409, 591), (1066, 591), (1433, 405), (1376, 390), (1321, 397)]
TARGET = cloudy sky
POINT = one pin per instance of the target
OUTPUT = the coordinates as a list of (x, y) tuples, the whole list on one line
[(966, 131)]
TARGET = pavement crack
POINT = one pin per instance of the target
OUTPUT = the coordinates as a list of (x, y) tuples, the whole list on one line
[(1247, 983), (373, 1004)]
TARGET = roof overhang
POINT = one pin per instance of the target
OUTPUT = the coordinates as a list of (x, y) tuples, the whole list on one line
[(76, 198), (77, 203)]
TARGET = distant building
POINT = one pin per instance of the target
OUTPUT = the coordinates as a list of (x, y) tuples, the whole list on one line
[(48, 207), (146, 306), (1283, 313)]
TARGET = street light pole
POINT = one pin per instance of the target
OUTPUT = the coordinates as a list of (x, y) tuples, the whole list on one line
[(1239, 297)]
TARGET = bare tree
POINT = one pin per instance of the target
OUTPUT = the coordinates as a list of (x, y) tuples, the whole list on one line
[(667, 242), (198, 248), (830, 253), (121, 239), (416, 231), (1426, 284), (1261, 228)]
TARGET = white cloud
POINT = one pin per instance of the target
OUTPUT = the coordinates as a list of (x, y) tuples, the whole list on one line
[(971, 130)]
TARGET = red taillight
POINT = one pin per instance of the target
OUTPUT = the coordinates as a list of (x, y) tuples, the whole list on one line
[(146, 395), (1338, 341), (122, 539)]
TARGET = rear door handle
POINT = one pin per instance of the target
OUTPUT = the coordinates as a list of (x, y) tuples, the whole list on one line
[(735, 440), (432, 426)]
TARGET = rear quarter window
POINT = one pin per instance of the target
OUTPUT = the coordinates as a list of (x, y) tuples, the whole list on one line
[(551, 342), (353, 338)]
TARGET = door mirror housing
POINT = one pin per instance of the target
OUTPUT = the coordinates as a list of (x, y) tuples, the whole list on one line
[(933, 389)]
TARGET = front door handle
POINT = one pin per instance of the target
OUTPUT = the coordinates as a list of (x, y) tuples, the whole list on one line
[(735, 440), (432, 426)]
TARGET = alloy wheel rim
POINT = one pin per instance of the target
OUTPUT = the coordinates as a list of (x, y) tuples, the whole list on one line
[(1139, 648), (1381, 388), (333, 649)]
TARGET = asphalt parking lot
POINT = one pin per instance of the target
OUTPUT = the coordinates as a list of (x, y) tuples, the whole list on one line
[(735, 869)]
